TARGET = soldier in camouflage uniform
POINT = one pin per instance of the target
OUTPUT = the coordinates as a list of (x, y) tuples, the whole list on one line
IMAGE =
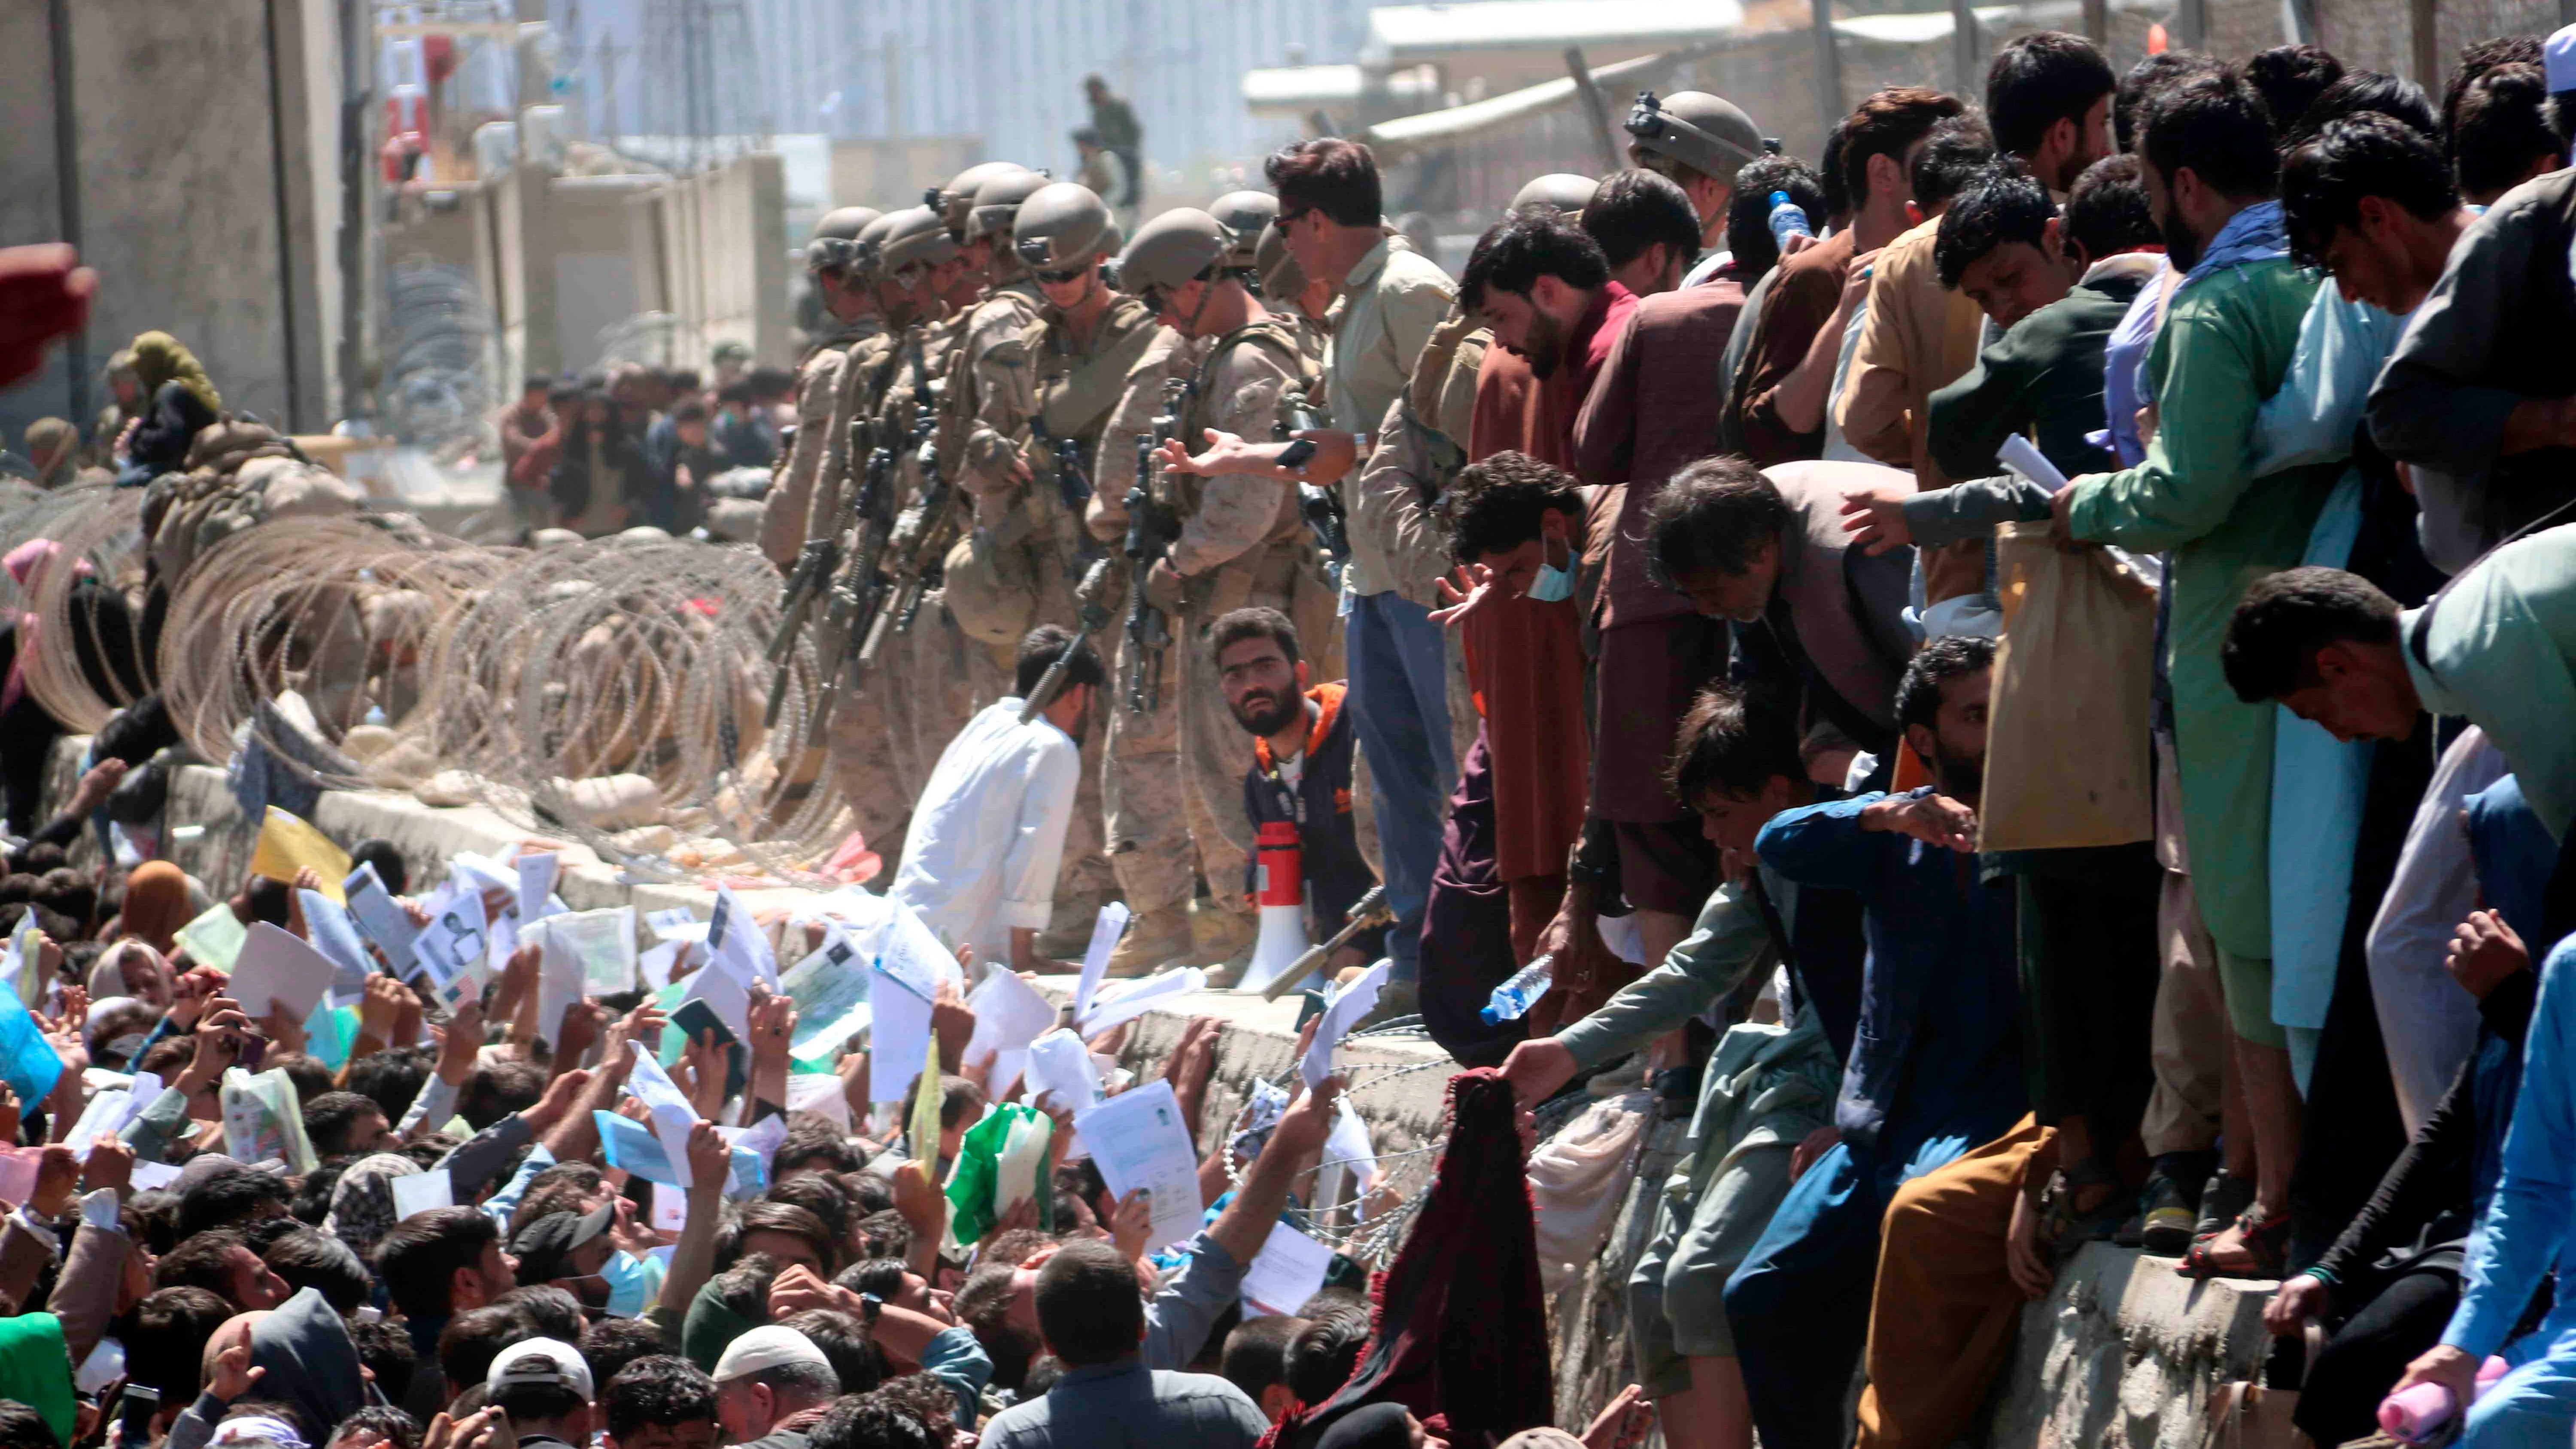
[(1043, 399), (850, 306), (1174, 780)]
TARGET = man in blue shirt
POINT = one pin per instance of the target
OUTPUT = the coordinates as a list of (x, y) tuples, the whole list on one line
[(1935, 1066)]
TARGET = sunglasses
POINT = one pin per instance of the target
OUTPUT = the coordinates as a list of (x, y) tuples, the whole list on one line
[(1058, 279), (1287, 219)]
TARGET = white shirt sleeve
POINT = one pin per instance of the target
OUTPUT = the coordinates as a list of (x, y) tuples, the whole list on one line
[(1037, 837)]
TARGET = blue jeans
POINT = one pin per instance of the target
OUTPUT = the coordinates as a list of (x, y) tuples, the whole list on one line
[(1399, 700), (2534, 1405)]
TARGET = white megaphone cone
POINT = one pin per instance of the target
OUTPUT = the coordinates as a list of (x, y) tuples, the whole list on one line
[(1283, 908)]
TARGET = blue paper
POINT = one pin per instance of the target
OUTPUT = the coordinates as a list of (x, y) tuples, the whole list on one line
[(632, 1146), (331, 930), (27, 1060), (330, 1031)]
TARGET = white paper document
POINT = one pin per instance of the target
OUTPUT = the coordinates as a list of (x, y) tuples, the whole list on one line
[(421, 1192), (736, 943), (815, 1092), (1058, 1063), (1095, 961), (830, 989), (1339, 1017), (382, 921), (1009, 1014), (1139, 1141), (1289, 1269), (537, 871), (1129, 1000), (450, 949), (278, 972), (672, 1115)]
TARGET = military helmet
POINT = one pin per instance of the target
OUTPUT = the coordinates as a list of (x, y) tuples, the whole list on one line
[(1244, 213), (916, 237), (997, 202), (952, 200), (836, 238), (1173, 249), (871, 242), (1710, 135), (1563, 191), (1061, 226), (1281, 278)]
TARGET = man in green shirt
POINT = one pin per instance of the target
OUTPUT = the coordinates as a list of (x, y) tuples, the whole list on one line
[(2230, 329), (1766, 1094)]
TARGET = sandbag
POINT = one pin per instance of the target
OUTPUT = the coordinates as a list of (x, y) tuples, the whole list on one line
[(2067, 758)]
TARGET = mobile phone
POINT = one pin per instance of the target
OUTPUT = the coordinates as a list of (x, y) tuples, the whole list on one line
[(254, 1050), (1297, 453)]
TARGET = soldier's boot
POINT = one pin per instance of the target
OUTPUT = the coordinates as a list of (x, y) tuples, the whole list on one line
[(1223, 943), (1152, 940)]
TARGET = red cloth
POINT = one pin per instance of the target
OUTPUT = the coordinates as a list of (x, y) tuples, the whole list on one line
[(1458, 1328)]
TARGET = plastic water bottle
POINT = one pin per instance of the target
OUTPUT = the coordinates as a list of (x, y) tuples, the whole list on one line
[(1788, 219), (2416, 1415), (1513, 997)]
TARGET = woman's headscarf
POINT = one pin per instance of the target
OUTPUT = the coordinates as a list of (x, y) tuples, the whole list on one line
[(160, 357), (362, 1206), (131, 968), (156, 904), (36, 1369)]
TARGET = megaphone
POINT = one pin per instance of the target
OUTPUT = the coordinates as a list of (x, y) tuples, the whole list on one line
[(1282, 898)]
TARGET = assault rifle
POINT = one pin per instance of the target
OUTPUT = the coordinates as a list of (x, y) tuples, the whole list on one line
[(1319, 506), (1091, 615), (1151, 528)]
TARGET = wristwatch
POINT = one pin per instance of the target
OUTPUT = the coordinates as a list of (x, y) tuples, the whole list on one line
[(870, 1306)]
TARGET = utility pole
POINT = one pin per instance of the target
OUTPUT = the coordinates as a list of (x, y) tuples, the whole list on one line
[(1595, 109)]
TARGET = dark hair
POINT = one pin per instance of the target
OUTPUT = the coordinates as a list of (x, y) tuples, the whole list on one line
[(1958, 150), (1830, 177), (1328, 174), (1637, 208), (1254, 623), (418, 1257), (391, 1078), (1256, 1353), (1088, 1307), (1748, 212), (308, 1259), (565, 1187), (2499, 126), (331, 1117), (871, 1191), (857, 1362), (870, 1421), (554, 1312), (304, 1072), (2476, 59), (1040, 648), (1533, 242), (2281, 623), (2217, 127), (822, 1195), (960, 1100), (662, 1389), (880, 1276), (266, 898), (983, 1303), (1499, 502), (613, 1343), (537, 1403), (2107, 210), (2003, 204), (2324, 179), (929, 1401), (1712, 517), (400, 1429), (1928, 675), (1325, 1352), (743, 1286), (2392, 96), (884, 1234), (770, 1215), (387, 858), (1888, 124), (496, 1089), (165, 1338), (21, 1427), (1732, 742), (2040, 79), (806, 1142), (689, 410), (2144, 81), (2290, 78), (75, 898), (228, 1196), (472, 1339), (384, 1346)]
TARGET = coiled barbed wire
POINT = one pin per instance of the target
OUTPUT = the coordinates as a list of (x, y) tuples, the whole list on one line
[(437, 392), (337, 609), (90, 657)]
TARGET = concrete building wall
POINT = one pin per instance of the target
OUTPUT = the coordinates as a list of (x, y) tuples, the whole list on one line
[(195, 154), (712, 250)]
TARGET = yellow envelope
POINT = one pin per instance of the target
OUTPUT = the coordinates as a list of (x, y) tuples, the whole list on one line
[(288, 844), (925, 1111)]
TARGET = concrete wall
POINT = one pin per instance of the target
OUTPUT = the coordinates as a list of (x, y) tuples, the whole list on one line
[(891, 172), (712, 251), (198, 135)]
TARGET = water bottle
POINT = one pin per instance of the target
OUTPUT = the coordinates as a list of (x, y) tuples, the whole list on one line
[(1514, 996), (2416, 1415), (1788, 219)]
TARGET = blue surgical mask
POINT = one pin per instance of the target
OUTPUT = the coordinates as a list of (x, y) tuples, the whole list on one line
[(630, 1284), (1553, 585)]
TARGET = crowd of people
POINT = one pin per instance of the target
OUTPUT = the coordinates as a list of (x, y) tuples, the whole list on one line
[(640, 447), (1559, 635)]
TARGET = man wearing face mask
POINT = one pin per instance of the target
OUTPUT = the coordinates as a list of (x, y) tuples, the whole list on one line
[(1515, 525), (1175, 771), (575, 1251)]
